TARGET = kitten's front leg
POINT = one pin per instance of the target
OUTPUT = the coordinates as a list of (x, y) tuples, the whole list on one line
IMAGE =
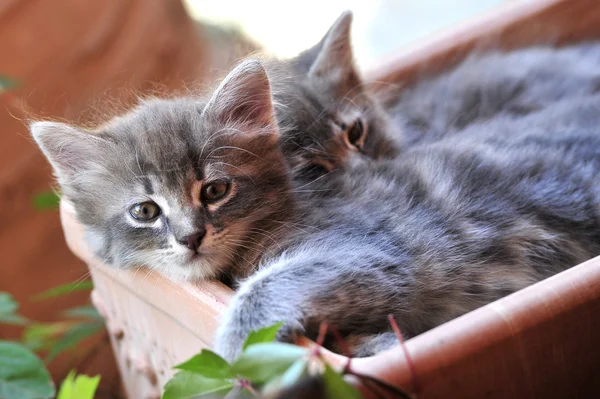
[(349, 290), (265, 299)]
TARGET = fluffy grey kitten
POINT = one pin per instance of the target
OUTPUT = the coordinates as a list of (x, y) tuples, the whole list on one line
[(446, 228)]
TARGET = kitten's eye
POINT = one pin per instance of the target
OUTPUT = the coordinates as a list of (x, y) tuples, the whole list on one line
[(215, 191), (355, 133), (145, 211)]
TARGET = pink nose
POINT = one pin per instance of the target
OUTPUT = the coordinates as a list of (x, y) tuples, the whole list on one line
[(193, 241)]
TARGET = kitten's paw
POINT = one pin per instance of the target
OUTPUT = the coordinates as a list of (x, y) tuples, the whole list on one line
[(229, 345), (232, 336)]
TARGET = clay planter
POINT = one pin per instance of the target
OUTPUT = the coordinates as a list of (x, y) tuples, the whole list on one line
[(539, 342)]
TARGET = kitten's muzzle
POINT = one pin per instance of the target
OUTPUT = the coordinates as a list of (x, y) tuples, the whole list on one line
[(193, 241)]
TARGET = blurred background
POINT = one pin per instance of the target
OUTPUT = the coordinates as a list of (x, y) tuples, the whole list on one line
[(83, 60), (379, 27)]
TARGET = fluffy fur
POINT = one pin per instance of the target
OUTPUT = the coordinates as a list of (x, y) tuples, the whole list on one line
[(488, 85), (442, 230)]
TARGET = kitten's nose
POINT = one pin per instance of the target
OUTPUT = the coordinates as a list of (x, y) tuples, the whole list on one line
[(193, 241)]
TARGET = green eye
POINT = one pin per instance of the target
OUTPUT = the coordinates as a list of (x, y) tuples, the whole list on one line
[(145, 211), (215, 191)]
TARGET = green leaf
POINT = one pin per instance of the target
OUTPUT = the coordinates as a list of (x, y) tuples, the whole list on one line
[(13, 319), (85, 312), (74, 286), (266, 334), (337, 387), (72, 337), (208, 364), (78, 387), (291, 376), (7, 83), (46, 200), (264, 361), (294, 373), (8, 310), (43, 336), (22, 374), (186, 385)]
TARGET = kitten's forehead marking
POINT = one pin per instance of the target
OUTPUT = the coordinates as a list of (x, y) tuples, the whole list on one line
[(148, 186), (195, 193)]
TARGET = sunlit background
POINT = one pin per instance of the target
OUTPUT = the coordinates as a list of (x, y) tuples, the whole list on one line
[(285, 28)]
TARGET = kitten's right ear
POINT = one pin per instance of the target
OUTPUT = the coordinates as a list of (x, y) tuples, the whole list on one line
[(70, 151), (244, 97), (335, 56)]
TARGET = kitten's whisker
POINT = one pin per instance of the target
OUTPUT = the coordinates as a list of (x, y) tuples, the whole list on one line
[(237, 168), (315, 180)]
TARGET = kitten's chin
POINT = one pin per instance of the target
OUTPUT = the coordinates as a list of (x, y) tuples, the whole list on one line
[(196, 270), (196, 267)]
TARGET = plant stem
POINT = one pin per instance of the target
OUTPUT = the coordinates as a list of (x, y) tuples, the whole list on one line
[(409, 362)]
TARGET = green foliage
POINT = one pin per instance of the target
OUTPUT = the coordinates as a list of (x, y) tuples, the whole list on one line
[(64, 335), (337, 387), (72, 337), (208, 364), (260, 362), (42, 337), (74, 286), (86, 312), (8, 310), (186, 384), (263, 335), (7, 83), (264, 366), (292, 375), (22, 374), (46, 200), (78, 387)]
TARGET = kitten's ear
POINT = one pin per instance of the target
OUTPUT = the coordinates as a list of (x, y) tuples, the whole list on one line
[(335, 59), (244, 97), (69, 150)]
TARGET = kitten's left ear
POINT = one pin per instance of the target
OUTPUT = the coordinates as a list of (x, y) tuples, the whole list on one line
[(244, 97), (71, 150), (335, 59)]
